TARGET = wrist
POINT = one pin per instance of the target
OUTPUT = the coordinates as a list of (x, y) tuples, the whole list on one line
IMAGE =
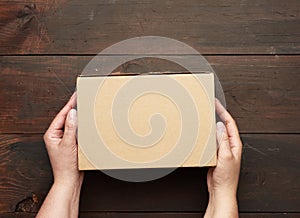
[(222, 193), (222, 203), (69, 183), (65, 194), (69, 190)]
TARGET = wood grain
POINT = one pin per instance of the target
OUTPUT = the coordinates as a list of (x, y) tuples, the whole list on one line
[(25, 173), (182, 215), (158, 215), (261, 91), (253, 46), (269, 180), (87, 27)]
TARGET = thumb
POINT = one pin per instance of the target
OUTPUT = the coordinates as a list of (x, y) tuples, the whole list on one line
[(223, 141), (70, 127)]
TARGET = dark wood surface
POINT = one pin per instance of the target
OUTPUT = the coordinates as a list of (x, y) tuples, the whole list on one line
[(253, 45), (158, 215), (212, 27), (269, 180), (262, 92)]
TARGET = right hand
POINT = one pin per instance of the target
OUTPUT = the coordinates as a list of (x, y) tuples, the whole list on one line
[(222, 180), (224, 177)]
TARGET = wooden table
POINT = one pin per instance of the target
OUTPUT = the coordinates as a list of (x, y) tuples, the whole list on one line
[(253, 46)]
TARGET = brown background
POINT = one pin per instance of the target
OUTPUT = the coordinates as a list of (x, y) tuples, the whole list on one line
[(253, 47)]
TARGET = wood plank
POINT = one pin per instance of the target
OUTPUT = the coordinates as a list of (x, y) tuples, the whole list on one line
[(269, 181), (17, 215), (87, 27), (150, 215), (261, 91), (184, 215), (25, 172)]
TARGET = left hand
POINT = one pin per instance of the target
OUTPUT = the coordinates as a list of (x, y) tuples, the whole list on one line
[(61, 144)]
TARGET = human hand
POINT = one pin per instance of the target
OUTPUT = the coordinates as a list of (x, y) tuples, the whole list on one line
[(61, 144), (222, 180), (60, 139)]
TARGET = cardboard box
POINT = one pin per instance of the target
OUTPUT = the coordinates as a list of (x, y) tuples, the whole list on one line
[(146, 121)]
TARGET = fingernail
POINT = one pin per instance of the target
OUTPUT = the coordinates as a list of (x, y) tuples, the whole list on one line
[(72, 116), (221, 127)]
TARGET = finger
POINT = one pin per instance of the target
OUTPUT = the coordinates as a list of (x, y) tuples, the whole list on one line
[(224, 150), (59, 120), (69, 136), (231, 127), (227, 120)]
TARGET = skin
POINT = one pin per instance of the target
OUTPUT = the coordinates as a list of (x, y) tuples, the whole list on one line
[(60, 139), (63, 197), (222, 180)]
